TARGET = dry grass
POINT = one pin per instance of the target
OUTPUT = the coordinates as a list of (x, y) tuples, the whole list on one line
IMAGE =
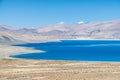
[(19, 69)]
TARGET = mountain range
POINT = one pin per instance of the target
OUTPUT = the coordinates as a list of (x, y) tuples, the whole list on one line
[(91, 30)]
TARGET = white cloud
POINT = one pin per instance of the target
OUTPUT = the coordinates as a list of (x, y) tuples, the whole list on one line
[(81, 22)]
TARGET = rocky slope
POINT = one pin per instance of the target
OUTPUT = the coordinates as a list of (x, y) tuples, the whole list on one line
[(98, 30)]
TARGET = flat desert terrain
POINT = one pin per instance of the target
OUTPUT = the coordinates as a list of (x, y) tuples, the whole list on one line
[(21, 69)]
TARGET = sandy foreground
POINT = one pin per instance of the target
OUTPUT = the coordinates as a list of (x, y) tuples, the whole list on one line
[(21, 69)]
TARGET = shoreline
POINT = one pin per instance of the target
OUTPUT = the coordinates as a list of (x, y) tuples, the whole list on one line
[(8, 50), (60, 40), (94, 39), (16, 50), (27, 50), (79, 61)]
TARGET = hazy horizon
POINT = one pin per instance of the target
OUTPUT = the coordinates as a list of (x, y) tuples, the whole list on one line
[(34, 13)]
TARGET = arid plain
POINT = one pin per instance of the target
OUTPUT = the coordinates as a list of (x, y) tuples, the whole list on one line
[(21, 69)]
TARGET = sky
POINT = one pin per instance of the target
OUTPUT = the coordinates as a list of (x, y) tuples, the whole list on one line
[(34, 13)]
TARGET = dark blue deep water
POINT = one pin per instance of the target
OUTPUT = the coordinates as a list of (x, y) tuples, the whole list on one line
[(78, 50)]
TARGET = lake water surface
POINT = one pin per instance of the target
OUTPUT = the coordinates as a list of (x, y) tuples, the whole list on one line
[(77, 50)]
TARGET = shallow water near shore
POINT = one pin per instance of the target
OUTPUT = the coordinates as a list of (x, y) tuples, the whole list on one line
[(75, 50)]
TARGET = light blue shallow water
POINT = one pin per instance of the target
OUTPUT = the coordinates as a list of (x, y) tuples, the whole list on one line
[(78, 50)]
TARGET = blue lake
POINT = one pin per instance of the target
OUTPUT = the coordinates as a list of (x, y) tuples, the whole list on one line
[(77, 50)]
